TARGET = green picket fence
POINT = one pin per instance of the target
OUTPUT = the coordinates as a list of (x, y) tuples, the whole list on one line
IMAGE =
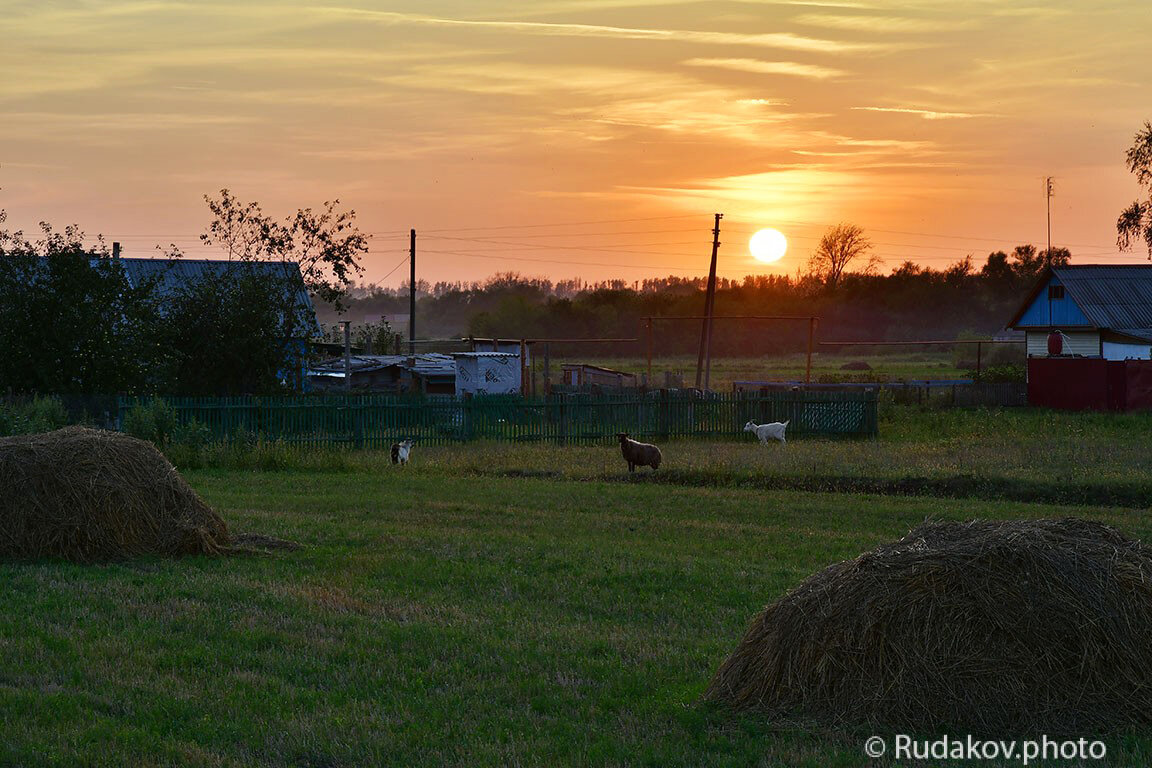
[(376, 421)]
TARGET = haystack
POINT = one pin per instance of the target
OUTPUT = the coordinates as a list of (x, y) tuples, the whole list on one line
[(87, 495), (1033, 626)]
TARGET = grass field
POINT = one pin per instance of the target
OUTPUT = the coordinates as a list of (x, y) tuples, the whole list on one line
[(506, 605)]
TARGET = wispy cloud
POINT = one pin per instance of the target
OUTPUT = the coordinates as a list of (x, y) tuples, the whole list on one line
[(927, 114), (760, 67), (781, 40), (899, 24)]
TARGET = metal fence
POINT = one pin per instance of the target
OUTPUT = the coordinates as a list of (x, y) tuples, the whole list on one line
[(376, 421)]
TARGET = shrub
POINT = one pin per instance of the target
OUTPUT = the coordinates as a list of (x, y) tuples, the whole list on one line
[(41, 414), (1003, 374), (154, 421)]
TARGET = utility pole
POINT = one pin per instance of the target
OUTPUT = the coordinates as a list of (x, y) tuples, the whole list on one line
[(704, 361), (412, 293), (347, 355), (1048, 200)]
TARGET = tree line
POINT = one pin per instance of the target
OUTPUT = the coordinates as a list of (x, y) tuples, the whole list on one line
[(72, 320), (911, 303)]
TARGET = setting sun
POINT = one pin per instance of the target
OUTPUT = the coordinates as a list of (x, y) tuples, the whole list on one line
[(768, 245)]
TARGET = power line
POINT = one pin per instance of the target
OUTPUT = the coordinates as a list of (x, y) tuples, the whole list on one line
[(567, 263), (587, 234), (402, 263), (563, 224)]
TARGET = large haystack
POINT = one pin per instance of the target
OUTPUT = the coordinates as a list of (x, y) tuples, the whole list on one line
[(1034, 626), (86, 494)]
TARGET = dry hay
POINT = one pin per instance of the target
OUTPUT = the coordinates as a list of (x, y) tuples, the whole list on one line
[(1031, 626), (90, 495)]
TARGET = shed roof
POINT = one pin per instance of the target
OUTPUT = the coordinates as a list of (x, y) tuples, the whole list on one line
[(428, 365), (1115, 297), (602, 369)]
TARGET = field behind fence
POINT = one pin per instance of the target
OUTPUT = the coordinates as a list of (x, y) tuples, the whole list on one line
[(376, 421)]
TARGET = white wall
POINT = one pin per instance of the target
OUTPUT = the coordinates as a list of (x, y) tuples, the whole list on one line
[(1086, 343), (1114, 350), (487, 374)]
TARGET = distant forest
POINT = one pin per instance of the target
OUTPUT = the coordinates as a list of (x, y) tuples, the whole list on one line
[(911, 303)]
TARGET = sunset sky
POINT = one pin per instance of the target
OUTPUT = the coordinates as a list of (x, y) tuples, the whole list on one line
[(581, 138)]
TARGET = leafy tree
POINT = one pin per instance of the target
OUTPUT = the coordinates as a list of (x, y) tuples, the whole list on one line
[(238, 331), (243, 330), (326, 244), (1135, 221), (1028, 263), (70, 322), (997, 270), (840, 246)]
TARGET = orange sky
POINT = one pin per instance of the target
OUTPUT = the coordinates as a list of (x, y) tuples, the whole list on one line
[(581, 138)]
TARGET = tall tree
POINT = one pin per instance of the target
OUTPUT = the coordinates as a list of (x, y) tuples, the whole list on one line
[(70, 322), (1135, 221), (326, 244), (840, 246)]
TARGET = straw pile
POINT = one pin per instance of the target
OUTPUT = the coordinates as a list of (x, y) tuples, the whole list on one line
[(1034, 626), (89, 495)]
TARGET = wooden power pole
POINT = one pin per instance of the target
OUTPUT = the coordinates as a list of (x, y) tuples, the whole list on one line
[(347, 355), (412, 293), (704, 361)]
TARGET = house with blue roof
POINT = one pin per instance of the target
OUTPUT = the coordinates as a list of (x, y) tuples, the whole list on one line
[(1101, 310), (1089, 337)]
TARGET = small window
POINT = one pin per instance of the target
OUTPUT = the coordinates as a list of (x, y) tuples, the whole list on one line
[(1055, 292)]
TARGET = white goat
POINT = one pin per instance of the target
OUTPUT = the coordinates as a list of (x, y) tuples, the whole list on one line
[(766, 432), (400, 451)]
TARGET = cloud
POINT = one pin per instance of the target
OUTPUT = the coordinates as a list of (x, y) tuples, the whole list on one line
[(783, 40), (899, 24), (927, 114), (757, 66)]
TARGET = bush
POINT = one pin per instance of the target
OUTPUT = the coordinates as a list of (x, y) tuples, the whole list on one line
[(41, 414), (154, 421), (1003, 374)]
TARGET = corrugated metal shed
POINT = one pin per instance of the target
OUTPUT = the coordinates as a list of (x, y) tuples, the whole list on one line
[(492, 373)]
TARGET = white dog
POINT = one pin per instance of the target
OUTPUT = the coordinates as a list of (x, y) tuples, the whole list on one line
[(766, 432), (400, 451)]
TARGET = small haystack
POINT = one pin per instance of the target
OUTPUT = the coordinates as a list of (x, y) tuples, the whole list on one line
[(87, 495), (1032, 626)]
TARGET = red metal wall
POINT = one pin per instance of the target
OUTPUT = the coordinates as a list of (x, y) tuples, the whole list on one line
[(1089, 384), (1138, 384)]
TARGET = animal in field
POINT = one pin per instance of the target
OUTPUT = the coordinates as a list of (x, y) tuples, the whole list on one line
[(766, 432), (401, 451), (639, 454)]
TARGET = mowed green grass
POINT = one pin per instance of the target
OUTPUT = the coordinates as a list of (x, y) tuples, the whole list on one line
[(454, 613)]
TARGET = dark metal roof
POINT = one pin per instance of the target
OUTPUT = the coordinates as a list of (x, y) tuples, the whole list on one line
[(1116, 297), (173, 274), (431, 364)]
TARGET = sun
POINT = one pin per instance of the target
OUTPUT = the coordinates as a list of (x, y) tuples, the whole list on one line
[(768, 245)]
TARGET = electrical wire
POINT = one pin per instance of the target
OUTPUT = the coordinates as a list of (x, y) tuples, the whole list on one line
[(402, 263), (565, 224)]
